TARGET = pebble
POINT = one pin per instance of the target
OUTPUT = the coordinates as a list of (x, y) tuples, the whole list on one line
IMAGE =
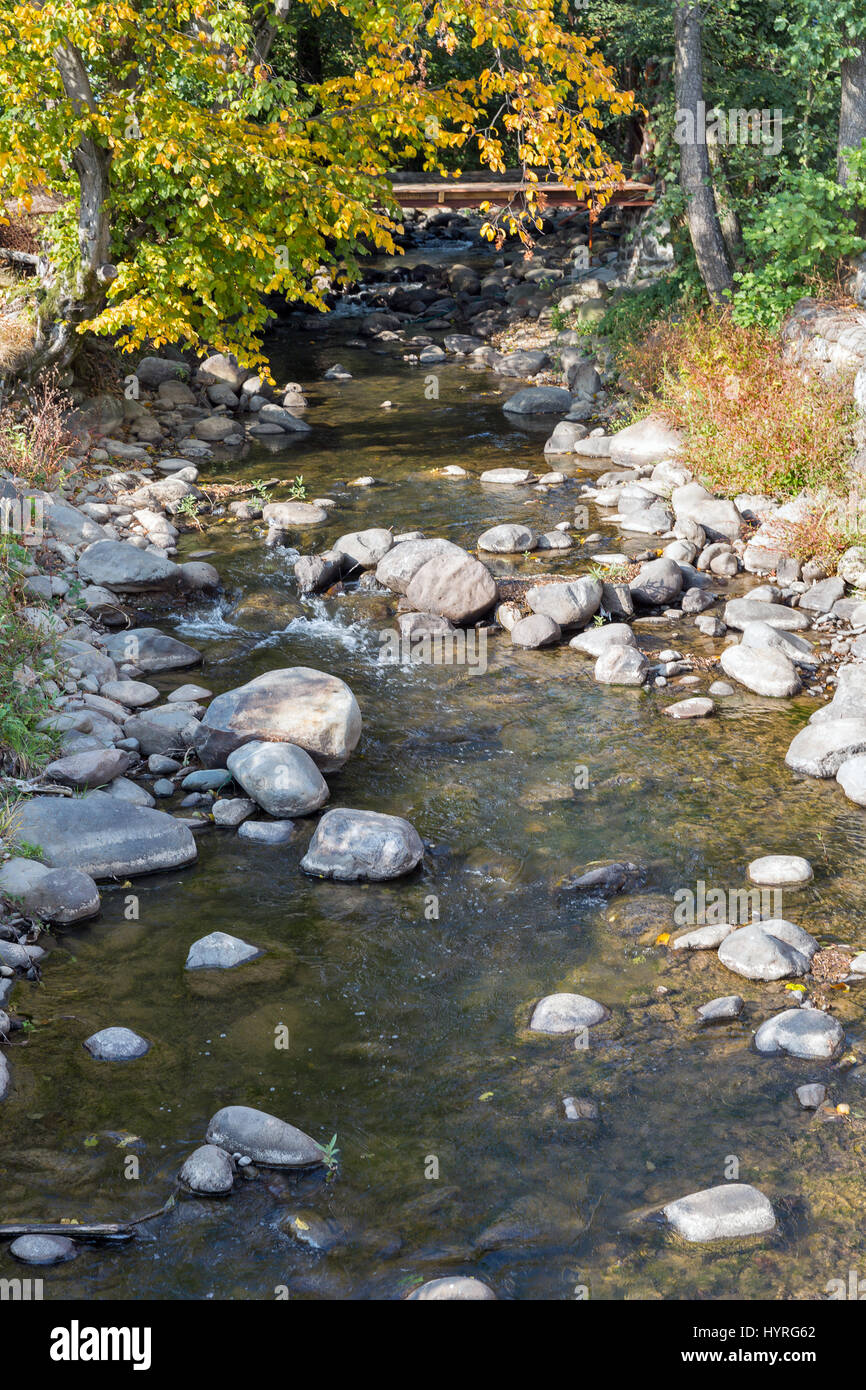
[(566, 1013), (812, 1095), (727, 1212), (696, 707), (717, 1010), (43, 1250)]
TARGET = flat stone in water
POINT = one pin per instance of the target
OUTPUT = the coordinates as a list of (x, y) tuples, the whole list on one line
[(566, 1013), (727, 1212), (208, 1171), (717, 1010), (852, 779), (698, 707), (263, 1138), (450, 1289), (219, 951), (43, 1250), (804, 1032), (780, 870), (116, 1045)]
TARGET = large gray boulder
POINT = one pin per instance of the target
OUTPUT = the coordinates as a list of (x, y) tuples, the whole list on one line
[(658, 582), (804, 1032), (281, 777), (400, 565), (151, 650), (510, 538), (621, 665), (62, 896), (650, 440), (762, 670), (727, 1212), (350, 845), (103, 836), (269, 1142), (72, 526), (296, 705), (88, 660), (571, 604), (762, 636), (166, 730), (456, 586), (741, 611), (819, 750), (849, 698), (91, 769), (757, 953), (123, 568), (538, 400), (364, 549)]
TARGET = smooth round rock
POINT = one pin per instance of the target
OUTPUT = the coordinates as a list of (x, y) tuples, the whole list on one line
[(219, 951), (535, 631), (780, 870), (718, 1010), (727, 1212), (696, 708), (566, 1013), (807, 1033), (208, 1171), (350, 845), (116, 1045), (268, 832), (262, 1138), (43, 1250), (757, 953), (508, 539)]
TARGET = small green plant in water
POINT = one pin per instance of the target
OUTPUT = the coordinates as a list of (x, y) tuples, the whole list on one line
[(261, 491), (330, 1155), (298, 490), (189, 508)]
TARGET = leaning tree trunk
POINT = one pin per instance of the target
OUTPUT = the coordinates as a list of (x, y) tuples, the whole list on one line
[(79, 296), (852, 118), (695, 171)]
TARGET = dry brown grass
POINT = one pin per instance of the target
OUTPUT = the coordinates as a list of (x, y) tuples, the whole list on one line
[(17, 342)]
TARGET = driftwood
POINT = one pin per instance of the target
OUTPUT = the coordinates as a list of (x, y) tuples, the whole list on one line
[(97, 1232)]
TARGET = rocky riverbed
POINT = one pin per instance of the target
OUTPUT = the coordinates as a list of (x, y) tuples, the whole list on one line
[(379, 801)]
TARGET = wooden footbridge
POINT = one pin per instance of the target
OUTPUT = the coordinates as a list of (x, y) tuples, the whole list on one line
[(413, 191)]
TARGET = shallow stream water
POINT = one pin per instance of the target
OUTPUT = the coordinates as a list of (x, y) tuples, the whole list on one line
[(408, 1029)]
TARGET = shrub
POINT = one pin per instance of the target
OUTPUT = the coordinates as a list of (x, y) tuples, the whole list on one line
[(753, 421), (34, 439)]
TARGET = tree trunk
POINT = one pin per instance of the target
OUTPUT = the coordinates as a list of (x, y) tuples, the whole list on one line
[(695, 171), (82, 295), (852, 112)]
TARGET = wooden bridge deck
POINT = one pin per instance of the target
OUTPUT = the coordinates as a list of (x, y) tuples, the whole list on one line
[(472, 192)]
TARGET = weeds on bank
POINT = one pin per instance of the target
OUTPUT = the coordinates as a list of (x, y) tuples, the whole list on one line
[(753, 421), (22, 746), (34, 440)]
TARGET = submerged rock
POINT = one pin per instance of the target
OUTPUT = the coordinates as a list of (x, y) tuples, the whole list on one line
[(350, 845), (727, 1212), (116, 1045), (718, 1010), (219, 951), (566, 1013)]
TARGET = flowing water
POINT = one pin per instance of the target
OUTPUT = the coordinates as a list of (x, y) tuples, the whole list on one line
[(406, 1003)]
